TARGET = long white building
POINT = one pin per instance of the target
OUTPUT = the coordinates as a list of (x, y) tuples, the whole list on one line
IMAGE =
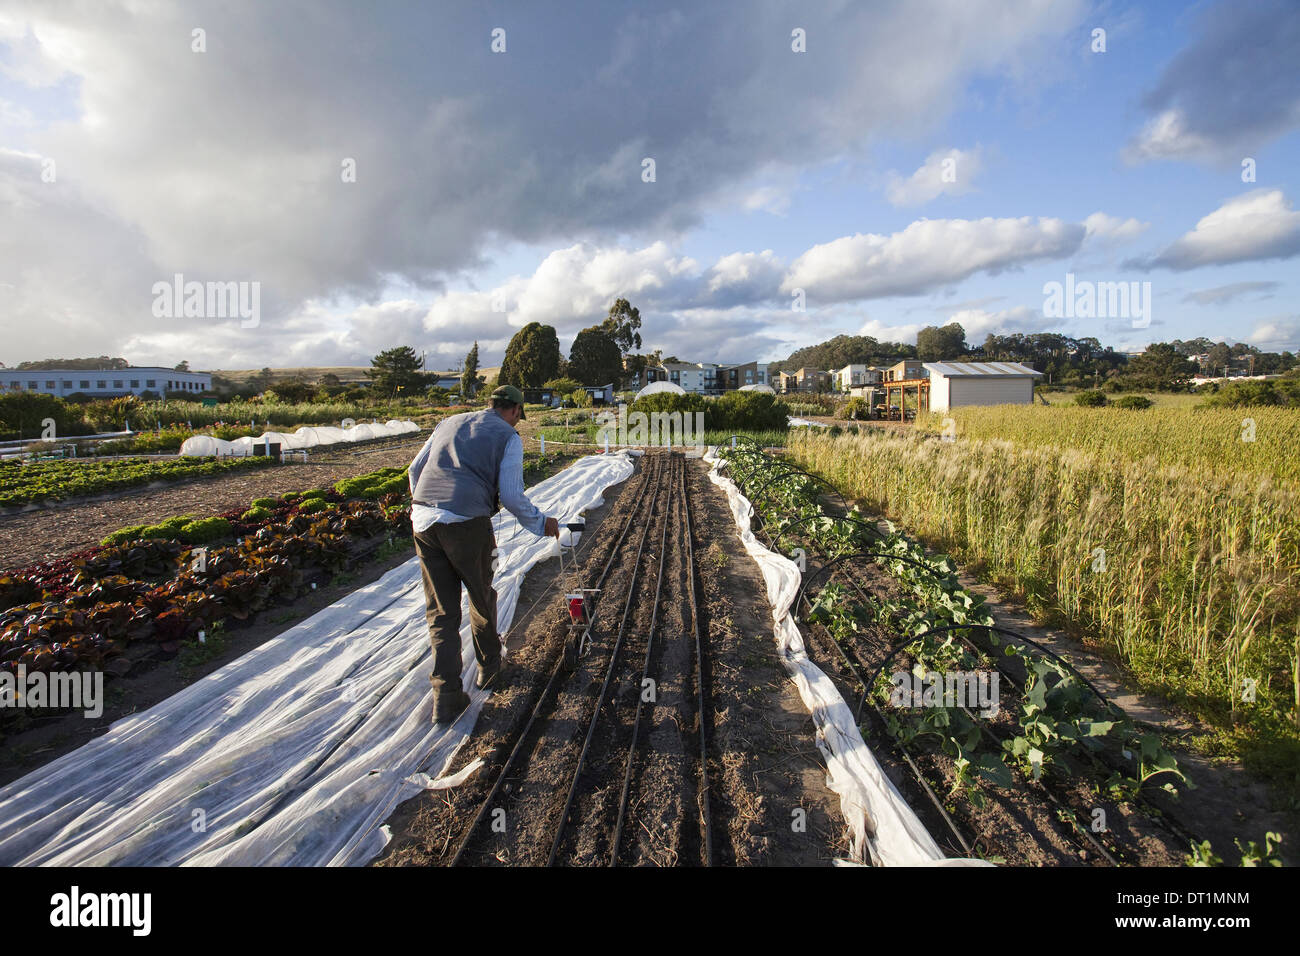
[(103, 383)]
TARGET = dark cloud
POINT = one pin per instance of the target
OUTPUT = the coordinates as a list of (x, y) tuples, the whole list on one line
[(1234, 89), (225, 165)]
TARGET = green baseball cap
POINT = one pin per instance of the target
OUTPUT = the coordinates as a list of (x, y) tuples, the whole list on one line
[(511, 394)]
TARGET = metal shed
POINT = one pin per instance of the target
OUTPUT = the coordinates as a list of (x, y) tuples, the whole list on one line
[(980, 383)]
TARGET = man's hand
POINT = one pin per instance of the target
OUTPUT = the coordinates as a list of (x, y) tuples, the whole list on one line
[(552, 528)]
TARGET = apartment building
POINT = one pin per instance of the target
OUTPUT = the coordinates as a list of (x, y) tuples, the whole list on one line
[(906, 371), (703, 378), (806, 379), (732, 377), (851, 376)]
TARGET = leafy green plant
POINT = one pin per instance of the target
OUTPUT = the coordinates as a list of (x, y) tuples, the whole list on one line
[(25, 483), (205, 530), (1056, 715), (1251, 853)]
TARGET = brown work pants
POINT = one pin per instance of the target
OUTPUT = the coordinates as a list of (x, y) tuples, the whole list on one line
[(452, 555)]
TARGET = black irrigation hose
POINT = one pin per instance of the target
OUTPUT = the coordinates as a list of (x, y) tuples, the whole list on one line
[(805, 583), (749, 438), (645, 675), (546, 695), (604, 688), (993, 629), (902, 747), (796, 470)]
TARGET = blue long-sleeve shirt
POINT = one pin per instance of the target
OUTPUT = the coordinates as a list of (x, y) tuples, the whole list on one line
[(510, 488)]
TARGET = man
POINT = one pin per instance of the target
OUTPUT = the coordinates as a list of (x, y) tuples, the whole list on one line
[(472, 464)]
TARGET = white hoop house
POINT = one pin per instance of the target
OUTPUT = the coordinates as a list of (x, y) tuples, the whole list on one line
[(655, 388)]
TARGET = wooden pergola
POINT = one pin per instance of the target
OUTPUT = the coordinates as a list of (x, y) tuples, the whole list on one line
[(922, 387)]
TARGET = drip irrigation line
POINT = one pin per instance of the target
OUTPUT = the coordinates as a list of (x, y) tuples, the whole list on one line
[(604, 688), (547, 693), (645, 675)]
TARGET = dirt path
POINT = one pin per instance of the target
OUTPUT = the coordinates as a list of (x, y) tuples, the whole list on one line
[(66, 528), (762, 758), (1228, 803)]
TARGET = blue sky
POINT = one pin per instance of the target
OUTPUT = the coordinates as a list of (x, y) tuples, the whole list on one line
[(498, 188)]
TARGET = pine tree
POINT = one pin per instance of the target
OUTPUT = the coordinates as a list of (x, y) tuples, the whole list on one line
[(470, 380)]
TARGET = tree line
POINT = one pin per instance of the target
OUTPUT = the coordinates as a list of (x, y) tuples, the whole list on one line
[(1064, 359)]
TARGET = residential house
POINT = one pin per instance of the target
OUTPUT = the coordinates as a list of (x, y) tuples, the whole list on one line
[(907, 370), (806, 379), (853, 375)]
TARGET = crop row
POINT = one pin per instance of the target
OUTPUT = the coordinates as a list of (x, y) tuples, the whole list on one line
[(1055, 724), (25, 483), (154, 586)]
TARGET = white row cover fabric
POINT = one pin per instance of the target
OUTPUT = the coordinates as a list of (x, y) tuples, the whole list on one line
[(759, 387), (294, 754), (309, 436), (879, 819), (804, 423)]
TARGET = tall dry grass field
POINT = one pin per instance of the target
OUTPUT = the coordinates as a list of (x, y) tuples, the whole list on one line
[(1257, 441), (1186, 564)]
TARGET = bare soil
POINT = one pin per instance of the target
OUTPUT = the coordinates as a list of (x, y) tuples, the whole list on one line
[(64, 528), (762, 757)]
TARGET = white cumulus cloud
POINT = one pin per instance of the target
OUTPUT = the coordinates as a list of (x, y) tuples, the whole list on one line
[(950, 171), (927, 254), (1257, 225), (1112, 229)]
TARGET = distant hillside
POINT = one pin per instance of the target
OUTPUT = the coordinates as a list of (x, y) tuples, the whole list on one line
[(845, 350), (102, 363), (346, 373)]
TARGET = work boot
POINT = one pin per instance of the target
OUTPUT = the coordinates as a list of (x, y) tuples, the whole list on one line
[(487, 674), (449, 705)]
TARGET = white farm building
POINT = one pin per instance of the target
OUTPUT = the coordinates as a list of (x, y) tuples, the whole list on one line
[(953, 384)]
